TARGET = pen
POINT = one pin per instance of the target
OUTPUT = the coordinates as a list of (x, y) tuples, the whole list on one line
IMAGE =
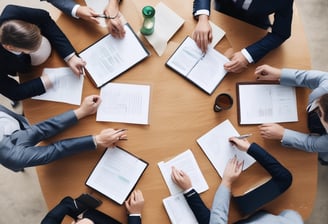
[(243, 136), (120, 130), (102, 16)]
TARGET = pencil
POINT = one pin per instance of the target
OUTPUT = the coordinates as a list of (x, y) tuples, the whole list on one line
[(243, 136)]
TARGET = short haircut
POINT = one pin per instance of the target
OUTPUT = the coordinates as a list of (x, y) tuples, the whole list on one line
[(323, 101), (20, 34)]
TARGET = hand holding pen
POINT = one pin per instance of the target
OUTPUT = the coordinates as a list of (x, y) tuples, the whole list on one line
[(241, 143), (108, 137)]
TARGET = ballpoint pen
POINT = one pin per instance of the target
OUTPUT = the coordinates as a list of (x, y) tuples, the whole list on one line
[(120, 130), (243, 136)]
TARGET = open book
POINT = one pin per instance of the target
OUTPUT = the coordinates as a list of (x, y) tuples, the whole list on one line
[(109, 57), (116, 174), (219, 150), (176, 205), (204, 70)]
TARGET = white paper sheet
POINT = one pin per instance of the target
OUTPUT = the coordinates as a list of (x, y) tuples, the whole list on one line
[(217, 33), (186, 162), (126, 103), (66, 86), (267, 103), (178, 210), (219, 150)]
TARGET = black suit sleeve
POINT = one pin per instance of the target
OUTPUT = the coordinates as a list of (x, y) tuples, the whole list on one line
[(201, 212)]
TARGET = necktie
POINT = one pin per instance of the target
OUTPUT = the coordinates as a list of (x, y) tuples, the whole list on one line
[(239, 3)]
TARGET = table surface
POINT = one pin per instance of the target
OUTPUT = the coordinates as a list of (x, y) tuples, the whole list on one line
[(179, 114)]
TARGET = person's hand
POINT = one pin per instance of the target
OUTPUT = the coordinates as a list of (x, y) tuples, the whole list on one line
[(76, 64), (181, 179), (237, 63), (46, 81), (232, 171), (115, 26), (89, 106), (272, 131), (108, 137), (241, 144), (135, 202), (202, 34), (88, 14), (268, 73)]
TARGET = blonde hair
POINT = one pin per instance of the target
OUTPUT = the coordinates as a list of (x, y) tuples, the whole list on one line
[(20, 34)]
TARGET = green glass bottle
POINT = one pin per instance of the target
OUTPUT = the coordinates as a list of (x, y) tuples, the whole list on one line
[(148, 25)]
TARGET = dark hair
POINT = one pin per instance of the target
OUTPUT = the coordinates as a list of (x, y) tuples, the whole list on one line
[(323, 101), (20, 34)]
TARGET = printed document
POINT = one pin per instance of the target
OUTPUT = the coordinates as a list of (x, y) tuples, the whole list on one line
[(187, 163), (204, 70), (178, 210), (266, 103), (125, 103), (116, 174), (110, 57), (66, 86), (219, 150)]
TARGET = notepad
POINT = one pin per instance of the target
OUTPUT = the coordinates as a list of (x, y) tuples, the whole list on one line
[(266, 103), (216, 146), (116, 174), (110, 57), (206, 71)]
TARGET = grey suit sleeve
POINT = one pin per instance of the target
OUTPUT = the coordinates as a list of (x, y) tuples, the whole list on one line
[(305, 142), (220, 207), (313, 79), (64, 5), (19, 150)]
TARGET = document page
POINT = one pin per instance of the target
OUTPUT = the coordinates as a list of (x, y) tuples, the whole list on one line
[(267, 103), (66, 86), (178, 210), (204, 70), (186, 162), (116, 174), (109, 57), (219, 150), (126, 103)]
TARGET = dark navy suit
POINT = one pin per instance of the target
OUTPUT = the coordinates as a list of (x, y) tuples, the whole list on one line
[(67, 207), (10, 63), (257, 14)]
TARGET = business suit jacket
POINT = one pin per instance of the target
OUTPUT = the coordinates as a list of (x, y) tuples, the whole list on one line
[(318, 82), (257, 14), (11, 63), (67, 207), (19, 149), (280, 181), (65, 6)]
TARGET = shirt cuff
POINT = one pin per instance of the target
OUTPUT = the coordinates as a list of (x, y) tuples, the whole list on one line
[(186, 191), (66, 59), (202, 12), (247, 55), (135, 215), (74, 10)]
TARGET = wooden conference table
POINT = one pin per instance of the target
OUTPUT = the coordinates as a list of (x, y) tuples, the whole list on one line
[(179, 114)]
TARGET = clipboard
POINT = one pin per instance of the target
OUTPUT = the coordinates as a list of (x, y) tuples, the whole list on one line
[(206, 71), (116, 174), (110, 57), (265, 102)]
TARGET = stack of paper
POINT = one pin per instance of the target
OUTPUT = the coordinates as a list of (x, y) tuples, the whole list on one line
[(176, 205)]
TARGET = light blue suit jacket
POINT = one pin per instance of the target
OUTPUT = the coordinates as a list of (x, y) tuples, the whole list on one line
[(19, 149), (318, 82)]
